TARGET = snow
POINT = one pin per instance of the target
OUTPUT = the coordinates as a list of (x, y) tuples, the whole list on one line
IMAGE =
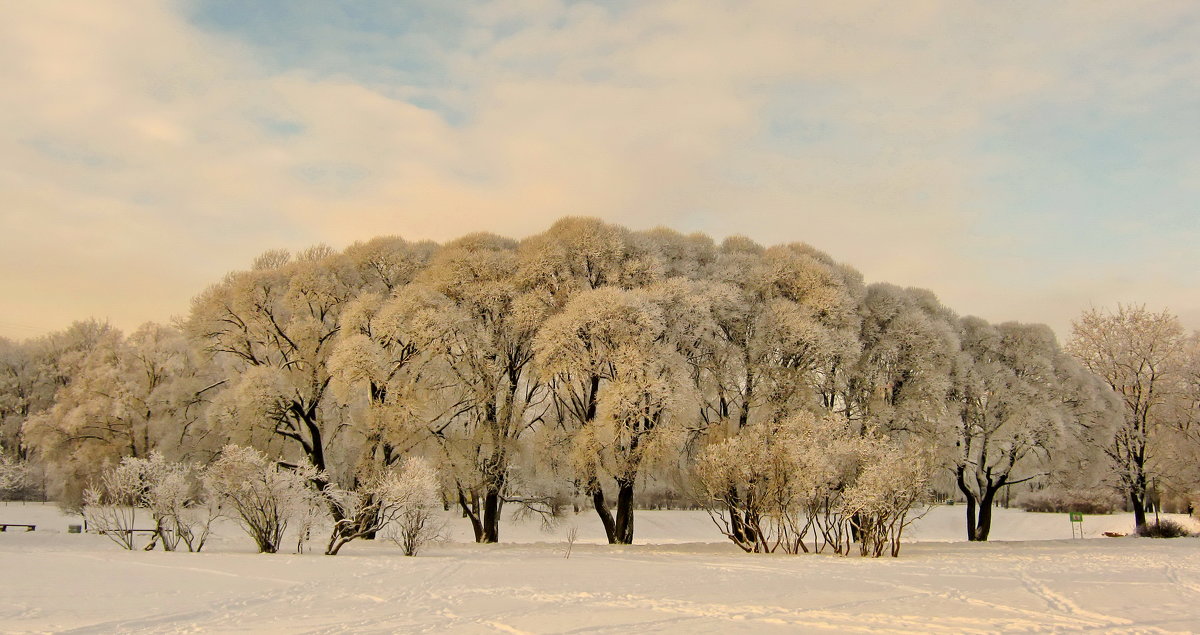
[(683, 576)]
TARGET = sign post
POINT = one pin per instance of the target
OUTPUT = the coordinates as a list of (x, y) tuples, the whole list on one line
[(1076, 521)]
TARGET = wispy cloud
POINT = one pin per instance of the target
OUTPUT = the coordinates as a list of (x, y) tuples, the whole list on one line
[(1024, 160)]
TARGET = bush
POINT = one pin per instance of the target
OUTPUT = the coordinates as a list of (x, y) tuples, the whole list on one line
[(407, 498), (262, 495), (16, 479), (1080, 501), (772, 485), (1164, 528), (110, 504), (169, 491)]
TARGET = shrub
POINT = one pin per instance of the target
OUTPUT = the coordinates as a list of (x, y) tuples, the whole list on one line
[(1080, 501), (263, 495), (1164, 528), (169, 491), (770, 486), (418, 523), (407, 498), (110, 504), (16, 479)]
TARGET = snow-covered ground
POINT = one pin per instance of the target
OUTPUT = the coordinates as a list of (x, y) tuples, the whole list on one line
[(683, 577)]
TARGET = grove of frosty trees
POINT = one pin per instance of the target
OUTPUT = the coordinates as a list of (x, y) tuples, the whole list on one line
[(589, 364)]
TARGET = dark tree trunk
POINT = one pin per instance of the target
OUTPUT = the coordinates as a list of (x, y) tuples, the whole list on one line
[(1139, 509), (970, 516), (606, 518), (623, 527), (979, 505), (984, 525), (469, 511), (979, 512), (491, 516), (742, 532)]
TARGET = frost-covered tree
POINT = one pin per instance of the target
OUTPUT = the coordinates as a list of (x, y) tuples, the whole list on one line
[(32, 372), (127, 397), (174, 494), (110, 504), (1013, 411), (578, 254), (892, 481), (17, 386), (791, 322), (14, 473), (170, 492), (273, 328), (1141, 356), (486, 355), (382, 265), (900, 382), (688, 257), (1184, 447), (387, 368), (262, 495), (786, 330), (619, 385)]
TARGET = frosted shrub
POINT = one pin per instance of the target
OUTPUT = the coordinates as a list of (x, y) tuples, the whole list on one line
[(415, 528), (183, 511), (262, 495), (407, 498), (811, 481), (771, 485), (170, 491), (416, 523), (893, 480), (14, 474), (110, 504)]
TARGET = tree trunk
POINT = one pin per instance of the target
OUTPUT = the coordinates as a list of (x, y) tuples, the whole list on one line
[(623, 527), (970, 516), (971, 501), (491, 516), (1139, 509), (467, 511), (606, 518), (984, 524)]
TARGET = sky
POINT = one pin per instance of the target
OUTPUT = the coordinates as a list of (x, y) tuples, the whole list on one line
[(1024, 160)]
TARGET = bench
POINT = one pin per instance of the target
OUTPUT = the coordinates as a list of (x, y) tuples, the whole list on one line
[(5, 526), (133, 531), (127, 539)]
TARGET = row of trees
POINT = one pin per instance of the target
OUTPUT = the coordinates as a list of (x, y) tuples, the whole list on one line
[(581, 362)]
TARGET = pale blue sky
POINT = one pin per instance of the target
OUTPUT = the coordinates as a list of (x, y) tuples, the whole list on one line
[(1024, 160)]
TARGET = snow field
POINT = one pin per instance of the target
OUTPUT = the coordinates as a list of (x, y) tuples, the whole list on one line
[(683, 577)]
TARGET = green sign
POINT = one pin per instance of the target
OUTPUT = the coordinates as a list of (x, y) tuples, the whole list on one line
[(1076, 517)]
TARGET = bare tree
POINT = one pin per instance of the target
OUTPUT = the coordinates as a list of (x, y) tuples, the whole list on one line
[(1140, 355), (1013, 410)]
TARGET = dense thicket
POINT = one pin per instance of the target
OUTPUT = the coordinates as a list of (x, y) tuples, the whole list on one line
[(769, 385)]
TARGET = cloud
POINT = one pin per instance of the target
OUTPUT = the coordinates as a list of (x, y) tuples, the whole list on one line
[(145, 153)]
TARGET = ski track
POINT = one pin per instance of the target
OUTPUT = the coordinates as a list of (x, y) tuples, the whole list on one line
[(1063, 604)]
